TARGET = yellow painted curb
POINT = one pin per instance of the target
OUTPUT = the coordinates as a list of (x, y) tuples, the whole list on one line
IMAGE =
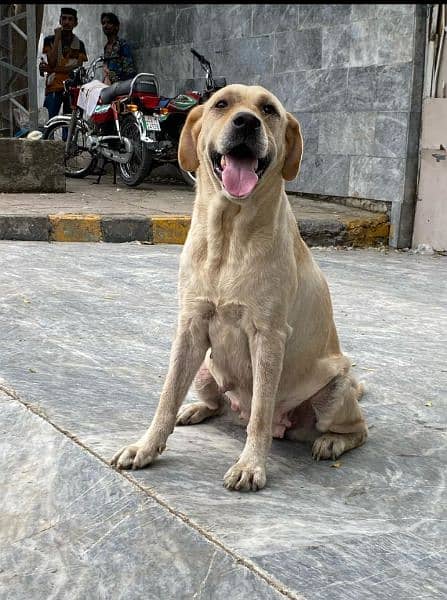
[(170, 230), (75, 228), (368, 232)]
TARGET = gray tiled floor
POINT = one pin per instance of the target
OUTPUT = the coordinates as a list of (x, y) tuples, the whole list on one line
[(86, 331)]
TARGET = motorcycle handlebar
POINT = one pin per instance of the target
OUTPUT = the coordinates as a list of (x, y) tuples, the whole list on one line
[(91, 68), (206, 65), (197, 55), (201, 58)]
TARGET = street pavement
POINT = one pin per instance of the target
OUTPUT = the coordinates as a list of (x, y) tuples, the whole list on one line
[(85, 337)]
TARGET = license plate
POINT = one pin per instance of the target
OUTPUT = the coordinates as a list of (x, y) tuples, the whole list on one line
[(152, 123)]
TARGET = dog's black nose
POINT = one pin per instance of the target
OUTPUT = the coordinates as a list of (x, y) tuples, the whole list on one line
[(246, 121)]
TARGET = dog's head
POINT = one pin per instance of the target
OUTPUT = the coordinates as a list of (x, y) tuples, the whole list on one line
[(241, 137)]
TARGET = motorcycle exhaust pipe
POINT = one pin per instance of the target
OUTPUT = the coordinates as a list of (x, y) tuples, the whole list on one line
[(118, 157), (99, 143)]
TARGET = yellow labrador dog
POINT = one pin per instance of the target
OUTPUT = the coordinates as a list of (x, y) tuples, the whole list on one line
[(255, 327)]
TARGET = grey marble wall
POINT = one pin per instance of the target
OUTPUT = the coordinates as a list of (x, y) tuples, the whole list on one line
[(351, 74)]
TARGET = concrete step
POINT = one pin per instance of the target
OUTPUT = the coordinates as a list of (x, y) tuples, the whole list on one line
[(157, 213)]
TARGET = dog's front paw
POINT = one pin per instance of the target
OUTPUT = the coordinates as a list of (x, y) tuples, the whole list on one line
[(245, 477), (136, 456)]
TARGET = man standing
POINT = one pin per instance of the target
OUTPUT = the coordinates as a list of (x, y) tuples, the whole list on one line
[(65, 51), (119, 64)]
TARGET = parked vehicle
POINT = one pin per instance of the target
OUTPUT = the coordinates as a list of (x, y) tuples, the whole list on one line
[(131, 124), (172, 114), (113, 129)]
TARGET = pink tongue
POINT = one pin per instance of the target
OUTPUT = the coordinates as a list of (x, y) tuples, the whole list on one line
[(238, 176)]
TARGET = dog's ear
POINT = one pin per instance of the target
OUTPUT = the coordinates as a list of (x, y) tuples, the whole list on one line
[(294, 149), (187, 150)]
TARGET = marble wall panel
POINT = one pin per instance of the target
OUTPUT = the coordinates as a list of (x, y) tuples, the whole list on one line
[(298, 50), (160, 60), (202, 23), (377, 178), (364, 41), (335, 46), (323, 172), (362, 88), (317, 58), (347, 133), (391, 134), (160, 26), (185, 19), (393, 89), (316, 15), (239, 60), (281, 84), (270, 18), (230, 21), (361, 12), (310, 127), (395, 39), (321, 90)]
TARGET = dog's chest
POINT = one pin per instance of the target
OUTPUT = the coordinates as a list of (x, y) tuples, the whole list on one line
[(230, 352), (226, 326)]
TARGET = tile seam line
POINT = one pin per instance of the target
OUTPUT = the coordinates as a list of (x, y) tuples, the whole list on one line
[(248, 564)]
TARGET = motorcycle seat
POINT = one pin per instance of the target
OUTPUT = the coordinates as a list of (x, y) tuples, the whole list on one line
[(121, 88)]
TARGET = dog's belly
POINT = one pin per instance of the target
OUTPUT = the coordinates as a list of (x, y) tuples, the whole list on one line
[(229, 362)]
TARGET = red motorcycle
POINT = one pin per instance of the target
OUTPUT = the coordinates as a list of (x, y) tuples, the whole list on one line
[(128, 123), (171, 114)]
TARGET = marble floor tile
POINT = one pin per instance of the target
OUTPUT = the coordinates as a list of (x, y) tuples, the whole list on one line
[(73, 528), (86, 331)]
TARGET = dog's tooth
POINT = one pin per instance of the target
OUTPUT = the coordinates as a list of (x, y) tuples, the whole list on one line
[(223, 162)]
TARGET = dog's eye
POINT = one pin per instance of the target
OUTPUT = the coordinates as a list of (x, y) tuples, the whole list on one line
[(269, 109), (221, 104)]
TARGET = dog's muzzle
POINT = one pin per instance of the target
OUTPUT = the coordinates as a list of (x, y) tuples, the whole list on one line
[(242, 157)]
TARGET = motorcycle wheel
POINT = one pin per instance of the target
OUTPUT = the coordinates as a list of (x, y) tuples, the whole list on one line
[(79, 162), (189, 177), (137, 169)]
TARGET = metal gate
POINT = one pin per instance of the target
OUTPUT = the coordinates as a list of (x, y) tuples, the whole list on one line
[(18, 24)]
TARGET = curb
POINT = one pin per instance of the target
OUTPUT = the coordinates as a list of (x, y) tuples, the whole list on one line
[(173, 229)]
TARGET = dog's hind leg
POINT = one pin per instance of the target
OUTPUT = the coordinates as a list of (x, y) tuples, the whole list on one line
[(339, 418), (211, 403)]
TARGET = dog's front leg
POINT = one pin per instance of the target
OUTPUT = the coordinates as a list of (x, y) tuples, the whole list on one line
[(267, 359), (188, 351)]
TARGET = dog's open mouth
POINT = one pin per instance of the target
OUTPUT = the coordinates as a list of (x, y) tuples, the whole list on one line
[(239, 170)]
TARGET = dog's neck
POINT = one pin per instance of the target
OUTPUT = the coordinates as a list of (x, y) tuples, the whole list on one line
[(224, 228)]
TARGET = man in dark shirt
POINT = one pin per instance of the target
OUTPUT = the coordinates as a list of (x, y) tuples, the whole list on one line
[(65, 51), (119, 64)]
